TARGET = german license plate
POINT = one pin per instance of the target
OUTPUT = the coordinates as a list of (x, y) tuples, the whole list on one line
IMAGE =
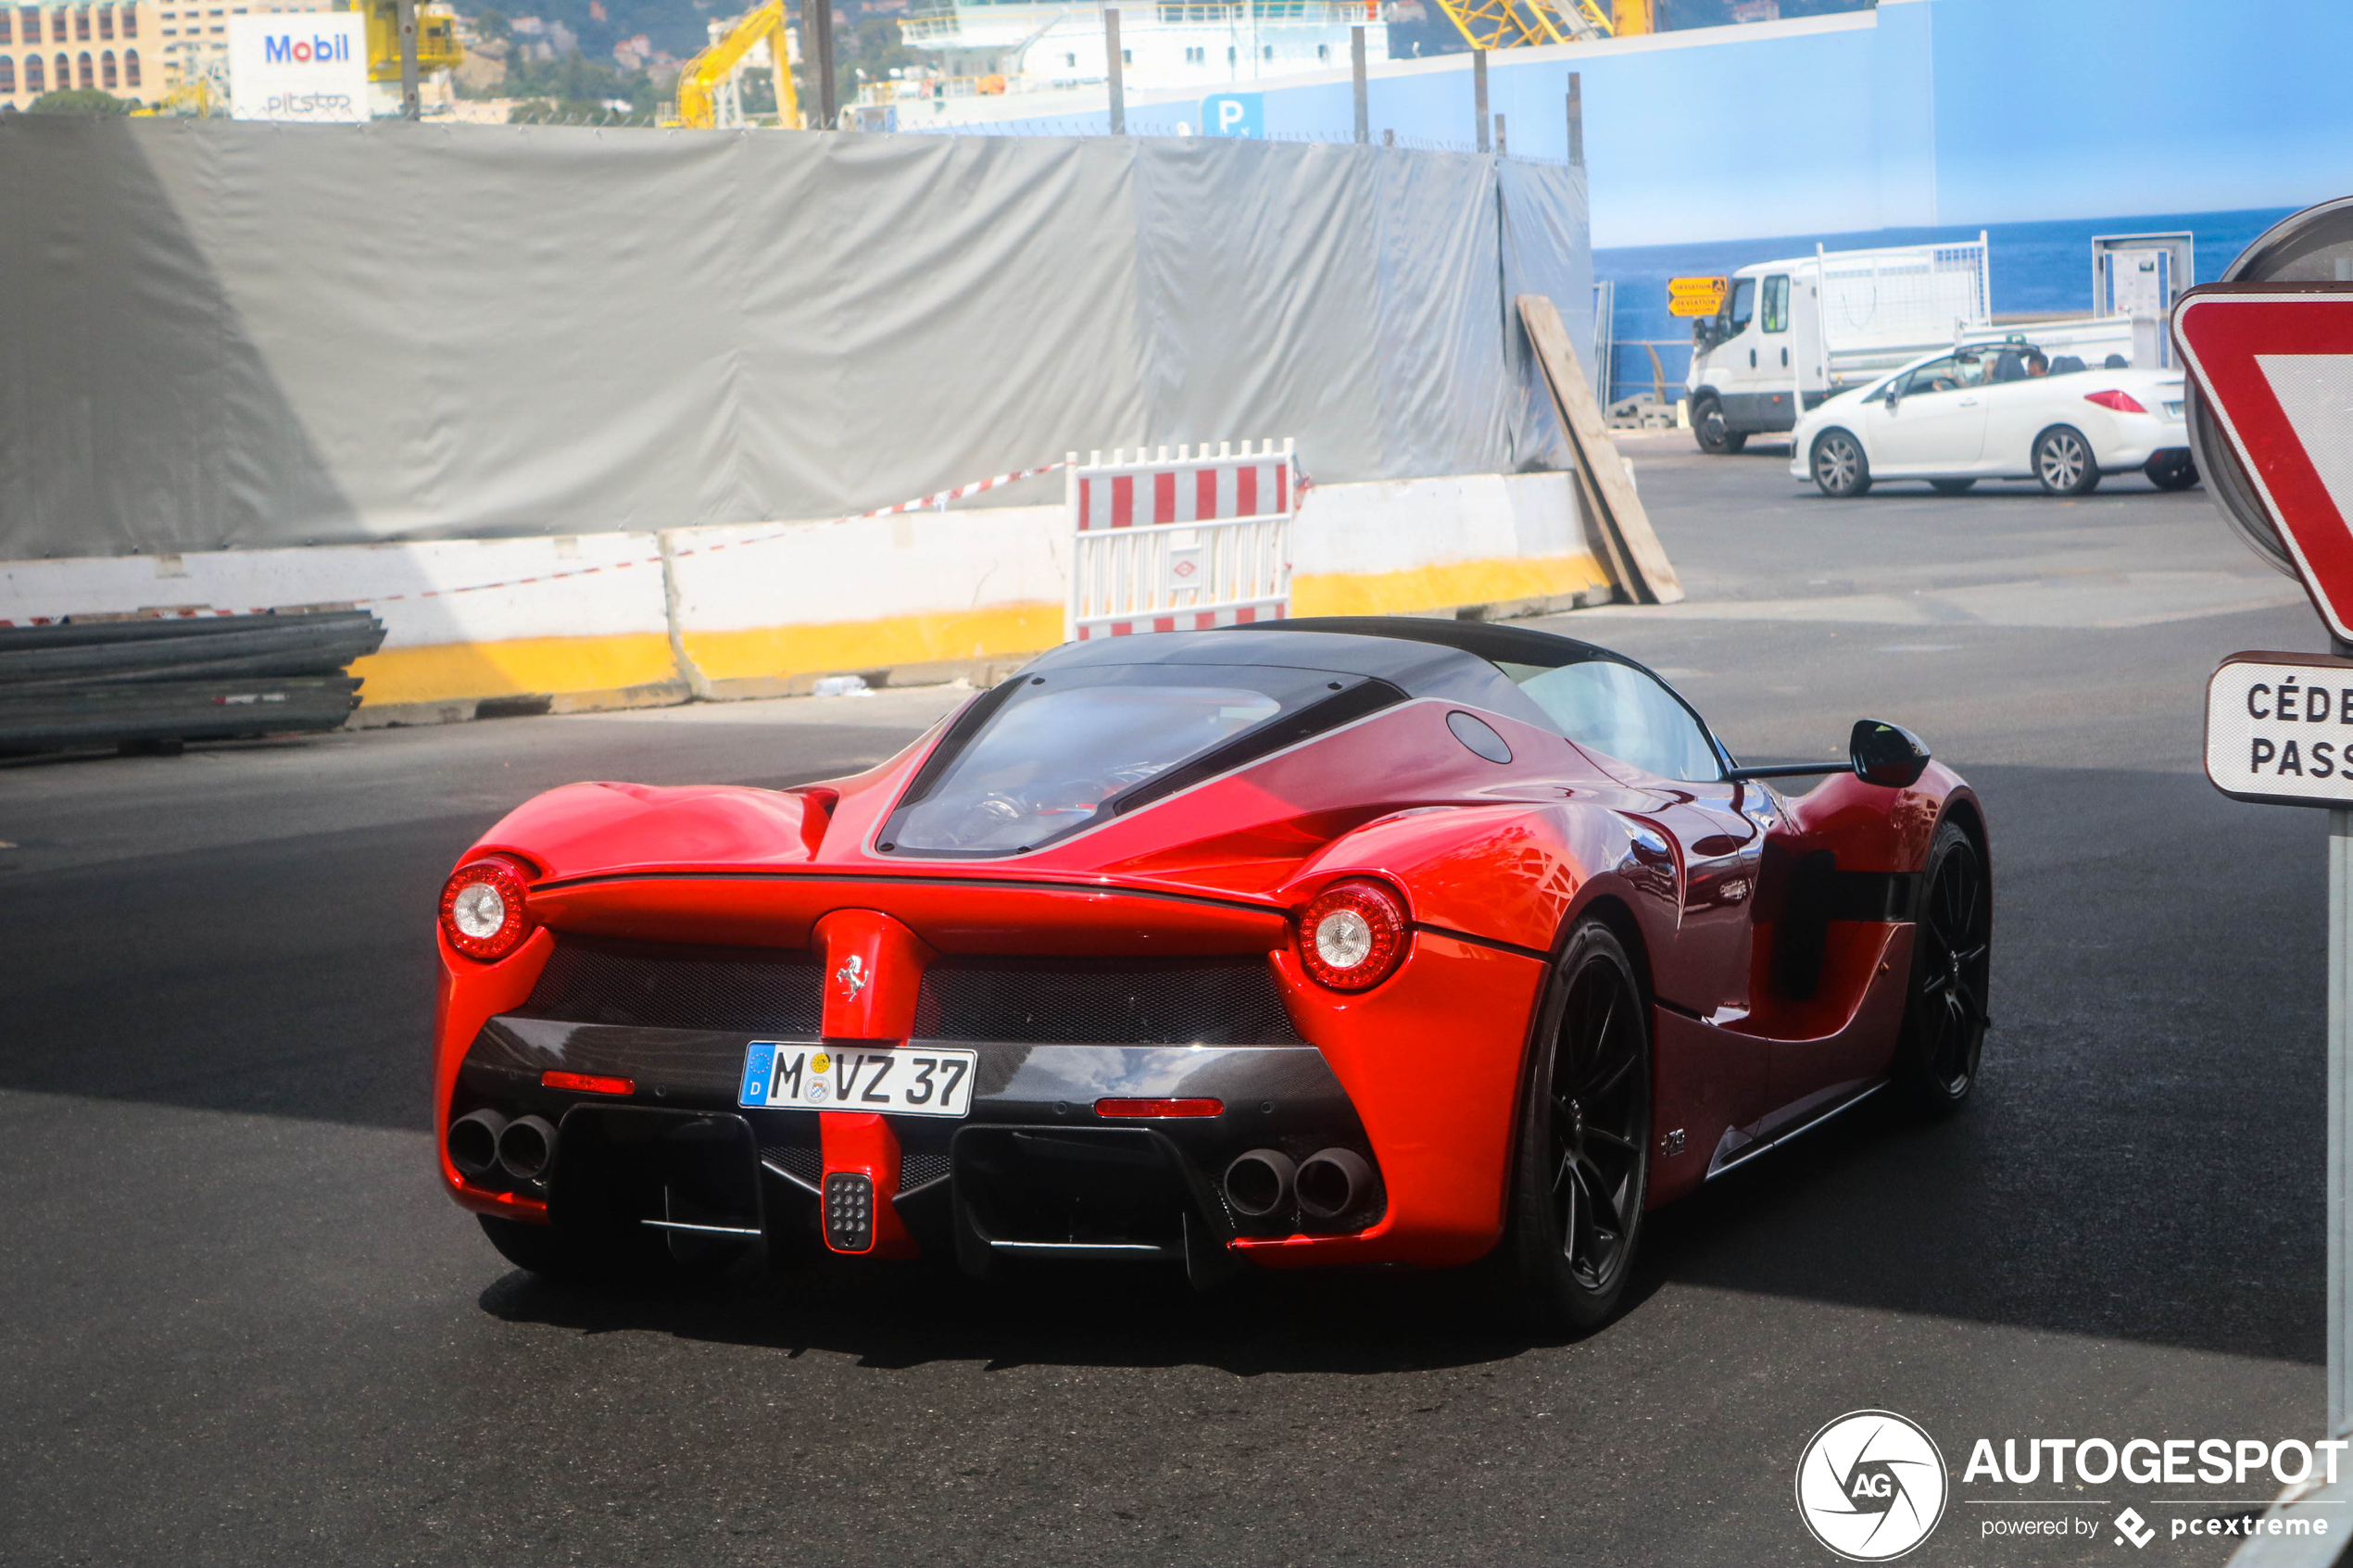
[(790, 1075)]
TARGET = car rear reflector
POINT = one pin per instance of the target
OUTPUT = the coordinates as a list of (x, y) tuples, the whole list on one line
[(2122, 402), (1160, 1107), (588, 1083)]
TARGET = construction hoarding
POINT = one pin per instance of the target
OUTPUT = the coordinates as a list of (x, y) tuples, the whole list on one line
[(230, 337)]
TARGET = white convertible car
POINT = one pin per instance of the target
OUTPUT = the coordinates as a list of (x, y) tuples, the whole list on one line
[(1998, 411)]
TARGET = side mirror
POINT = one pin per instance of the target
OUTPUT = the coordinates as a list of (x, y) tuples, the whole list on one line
[(1894, 395), (1886, 754)]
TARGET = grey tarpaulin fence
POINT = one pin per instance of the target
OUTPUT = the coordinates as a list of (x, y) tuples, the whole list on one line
[(216, 334)]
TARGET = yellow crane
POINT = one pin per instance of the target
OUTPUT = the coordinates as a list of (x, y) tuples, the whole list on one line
[(1519, 24), (704, 82), (197, 98), (437, 45)]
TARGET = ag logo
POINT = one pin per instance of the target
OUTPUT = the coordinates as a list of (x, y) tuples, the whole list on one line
[(1870, 1485)]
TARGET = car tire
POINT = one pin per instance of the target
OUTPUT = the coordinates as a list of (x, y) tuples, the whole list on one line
[(1945, 1017), (1708, 427), (2173, 470), (1951, 487), (1581, 1164), (1839, 465), (2063, 462)]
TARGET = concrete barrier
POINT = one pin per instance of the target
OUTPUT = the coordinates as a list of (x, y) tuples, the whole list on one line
[(478, 628), (1500, 544), (934, 597), (573, 623), (911, 599)]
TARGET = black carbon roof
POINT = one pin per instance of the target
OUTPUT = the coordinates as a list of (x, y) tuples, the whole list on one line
[(1503, 645), (1454, 661)]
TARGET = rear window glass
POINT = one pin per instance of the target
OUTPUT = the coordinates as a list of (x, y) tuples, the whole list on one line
[(1623, 713), (1061, 750)]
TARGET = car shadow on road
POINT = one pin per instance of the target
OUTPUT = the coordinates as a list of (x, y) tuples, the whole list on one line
[(1882, 1210), (895, 1315)]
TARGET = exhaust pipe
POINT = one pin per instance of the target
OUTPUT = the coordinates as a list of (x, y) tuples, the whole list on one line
[(474, 1142), (526, 1149), (1259, 1184), (1332, 1183)]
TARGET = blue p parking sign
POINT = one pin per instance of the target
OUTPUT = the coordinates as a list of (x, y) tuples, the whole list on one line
[(1232, 114)]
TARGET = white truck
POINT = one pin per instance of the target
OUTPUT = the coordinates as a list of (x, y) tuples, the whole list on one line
[(1792, 333)]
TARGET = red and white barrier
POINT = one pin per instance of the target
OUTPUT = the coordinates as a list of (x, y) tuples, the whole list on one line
[(1184, 541)]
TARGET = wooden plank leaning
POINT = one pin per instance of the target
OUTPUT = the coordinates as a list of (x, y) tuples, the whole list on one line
[(1643, 572)]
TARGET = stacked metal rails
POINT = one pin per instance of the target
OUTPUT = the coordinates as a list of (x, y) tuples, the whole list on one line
[(157, 684)]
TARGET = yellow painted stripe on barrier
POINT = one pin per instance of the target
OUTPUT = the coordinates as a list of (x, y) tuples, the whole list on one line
[(441, 672), (445, 672), (779, 651), (1031, 627), (1442, 587)]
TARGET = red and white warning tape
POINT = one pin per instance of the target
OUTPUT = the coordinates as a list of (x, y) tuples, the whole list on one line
[(922, 503)]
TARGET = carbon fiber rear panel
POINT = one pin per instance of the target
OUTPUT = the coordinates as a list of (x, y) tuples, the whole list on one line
[(673, 985), (773, 993), (1121, 1002)]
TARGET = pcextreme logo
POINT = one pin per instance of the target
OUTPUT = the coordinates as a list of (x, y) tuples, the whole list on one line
[(1870, 1485)]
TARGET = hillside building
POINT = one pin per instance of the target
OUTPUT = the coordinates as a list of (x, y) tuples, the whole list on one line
[(132, 48)]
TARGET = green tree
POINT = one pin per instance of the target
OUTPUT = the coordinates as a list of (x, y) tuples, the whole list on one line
[(576, 88), (81, 100)]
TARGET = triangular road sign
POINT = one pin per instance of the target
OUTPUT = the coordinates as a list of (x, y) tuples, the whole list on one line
[(2276, 361)]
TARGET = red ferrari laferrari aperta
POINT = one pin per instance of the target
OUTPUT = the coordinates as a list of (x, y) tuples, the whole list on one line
[(1329, 942)]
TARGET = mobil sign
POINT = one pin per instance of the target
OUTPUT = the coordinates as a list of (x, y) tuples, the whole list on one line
[(304, 66)]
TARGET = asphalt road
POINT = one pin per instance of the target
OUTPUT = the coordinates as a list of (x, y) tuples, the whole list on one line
[(239, 1325)]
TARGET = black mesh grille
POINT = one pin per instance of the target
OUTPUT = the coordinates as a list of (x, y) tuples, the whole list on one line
[(917, 1169), (669, 985), (805, 1161), (1116, 1002)]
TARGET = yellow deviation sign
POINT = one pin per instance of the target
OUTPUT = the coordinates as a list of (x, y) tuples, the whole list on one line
[(1695, 296)]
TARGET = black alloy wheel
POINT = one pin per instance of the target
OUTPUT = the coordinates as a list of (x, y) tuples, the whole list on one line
[(1581, 1171), (1714, 435), (1840, 467), (2173, 470), (1952, 942), (1951, 487), (2063, 462)]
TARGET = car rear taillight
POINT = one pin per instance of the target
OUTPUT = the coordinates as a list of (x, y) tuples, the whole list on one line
[(482, 907), (2122, 402), (1353, 936)]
